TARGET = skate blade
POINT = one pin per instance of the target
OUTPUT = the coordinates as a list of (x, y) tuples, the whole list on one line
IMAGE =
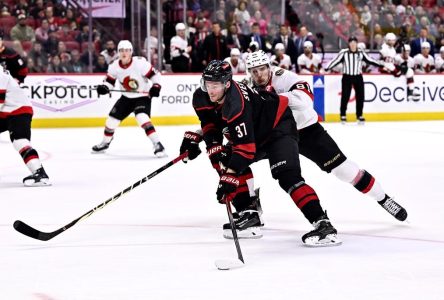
[(161, 154), (228, 264), (98, 152), (43, 182), (249, 233), (329, 241)]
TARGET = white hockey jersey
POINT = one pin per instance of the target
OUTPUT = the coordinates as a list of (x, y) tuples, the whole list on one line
[(309, 65), (284, 62), (299, 94), (177, 46), (439, 64), (399, 60), (388, 53), (239, 68), (13, 100), (139, 75), (424, 64)]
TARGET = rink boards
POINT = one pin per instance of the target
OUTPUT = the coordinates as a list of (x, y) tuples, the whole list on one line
[(61, 100)]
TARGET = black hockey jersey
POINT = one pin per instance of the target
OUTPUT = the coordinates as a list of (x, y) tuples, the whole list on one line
[(13, 62), (246, 117)]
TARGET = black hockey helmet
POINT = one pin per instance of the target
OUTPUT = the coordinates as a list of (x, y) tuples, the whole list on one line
[(217, 70)]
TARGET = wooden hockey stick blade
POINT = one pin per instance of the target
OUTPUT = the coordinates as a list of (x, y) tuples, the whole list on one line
[(228, 264)]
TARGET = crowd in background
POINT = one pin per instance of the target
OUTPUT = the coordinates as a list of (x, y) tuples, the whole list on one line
[(53, 37)]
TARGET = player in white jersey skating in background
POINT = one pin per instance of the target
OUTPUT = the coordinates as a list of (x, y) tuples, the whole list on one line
[(135, 74), (16, 117), (424, 62), (308, 61), (314, 142), (439, 61), (388, 54)]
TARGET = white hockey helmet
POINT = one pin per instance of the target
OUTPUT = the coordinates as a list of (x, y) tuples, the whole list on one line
[(361, 46), (441, 50), (425, 45), (308, 44), (279, 46), (125, 44), (390, 37), (256, 59), (407, 48), (180, 26), (234, 52)]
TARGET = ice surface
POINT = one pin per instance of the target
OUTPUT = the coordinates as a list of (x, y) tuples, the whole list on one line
[(161, 240)]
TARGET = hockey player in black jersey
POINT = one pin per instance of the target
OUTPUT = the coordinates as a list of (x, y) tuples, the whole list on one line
[(256, 129), (13, 62)]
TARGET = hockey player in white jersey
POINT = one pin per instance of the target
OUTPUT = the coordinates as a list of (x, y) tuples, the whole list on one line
[(142, 81), (279, 58), (308, 61), (424, 62), (404, 59), (236, 62), (180, 50), (388, 54), (16, 117), (314, 142), (439, 61)]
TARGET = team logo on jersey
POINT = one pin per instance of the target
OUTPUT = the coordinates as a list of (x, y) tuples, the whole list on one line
[(130, 84), (279, 72)]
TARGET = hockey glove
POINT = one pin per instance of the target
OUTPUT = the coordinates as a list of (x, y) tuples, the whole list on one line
[(154, 90), (218, 154), (228, 184), (102, 89), (190, 143)]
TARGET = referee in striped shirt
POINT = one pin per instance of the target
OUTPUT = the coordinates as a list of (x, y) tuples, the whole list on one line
[(351, 59)]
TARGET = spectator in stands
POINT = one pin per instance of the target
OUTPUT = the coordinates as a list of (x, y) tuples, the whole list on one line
[(51, 45), (55, 65), (279, 58), (440, 37), (5, 11), (70, 17), (236, 63), (37, 10), (220, 18), (76, 63), (258, 38), (100, 66), (191, 29), (257, 18), (242, 16), (303, 36), (32, 68), (289, 45), (215, 45), (61, 48), (366, 16), (236, 39), (39, 56), (197, 52), (83, 35), (416, 43), (20, 8), (110, 52), (21, 31), (434, 27), (65, 62), (180, 50), (439, 61), (53, 21), (41, 33)]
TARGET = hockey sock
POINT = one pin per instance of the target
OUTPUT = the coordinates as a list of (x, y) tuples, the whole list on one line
[(144, 121), (28, 154), (245, 196), (307, 201), (367, 184), (110, 126)]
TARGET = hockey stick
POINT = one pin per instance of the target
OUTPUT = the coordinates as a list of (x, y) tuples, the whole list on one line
[(27, 230), (227, 264)]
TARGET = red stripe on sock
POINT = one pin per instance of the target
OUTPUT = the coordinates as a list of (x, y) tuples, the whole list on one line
[(302, 195), (370, 185), (24, 149), (302, 203), (26, 160)]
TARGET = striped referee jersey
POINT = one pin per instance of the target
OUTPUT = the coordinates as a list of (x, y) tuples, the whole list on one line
[(352, 61)]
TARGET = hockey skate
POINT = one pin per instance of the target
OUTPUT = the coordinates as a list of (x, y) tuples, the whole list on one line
[(343, 120), (39, 178), (393, 208), (159, 150), (248, 225), (100, 148), (413, 95), (361, 120), (323, 235)]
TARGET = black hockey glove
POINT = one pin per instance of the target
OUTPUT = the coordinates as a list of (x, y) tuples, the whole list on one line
[(154, 90), (228, 184), (102, 89), (190, 143), (218, 154)]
